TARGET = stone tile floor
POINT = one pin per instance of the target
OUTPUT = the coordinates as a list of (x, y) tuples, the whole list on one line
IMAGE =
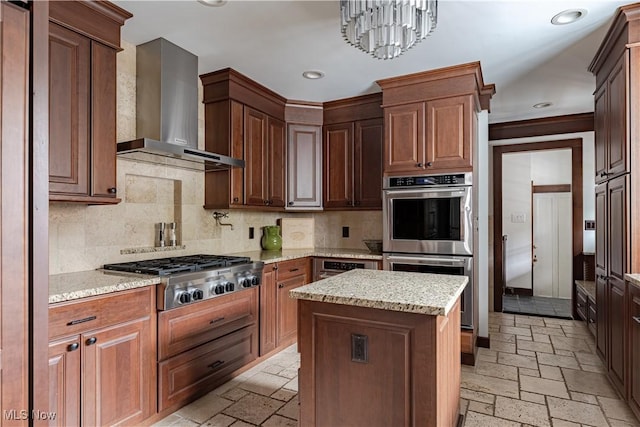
[(538, 372)]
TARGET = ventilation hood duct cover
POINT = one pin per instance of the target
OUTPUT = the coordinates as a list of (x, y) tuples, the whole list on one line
[(167, 111)]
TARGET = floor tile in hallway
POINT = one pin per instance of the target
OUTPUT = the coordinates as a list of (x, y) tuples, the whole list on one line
[(538, 372)]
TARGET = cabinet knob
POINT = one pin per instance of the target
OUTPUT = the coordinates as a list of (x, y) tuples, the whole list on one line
[(636, 319), (73, 347), (580, 305), (290, 203), (419, 165), (275, 267), (112, 190), (280, 286), (592, 321), (92, 341), (236, 200), (357, 203), (266, 202), (429, 164)]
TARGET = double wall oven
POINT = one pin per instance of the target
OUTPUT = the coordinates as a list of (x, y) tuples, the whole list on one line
[(428, 228)]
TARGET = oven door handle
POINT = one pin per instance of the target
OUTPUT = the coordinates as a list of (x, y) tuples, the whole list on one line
[(430, 192), (455, 262)]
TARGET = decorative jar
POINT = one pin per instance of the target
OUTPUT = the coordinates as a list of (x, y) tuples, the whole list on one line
[(271, 239)]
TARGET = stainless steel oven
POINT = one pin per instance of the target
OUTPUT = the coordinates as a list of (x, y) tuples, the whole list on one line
[(428, 214), (439, 264)]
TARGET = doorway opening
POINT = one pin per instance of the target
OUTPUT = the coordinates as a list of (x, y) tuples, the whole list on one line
[(548, 210)]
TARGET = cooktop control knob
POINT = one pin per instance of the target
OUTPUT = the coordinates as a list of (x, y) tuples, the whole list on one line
[(219, 289), (183, 297), (255, 281), (196, 294), (229, 287), (244, 283)]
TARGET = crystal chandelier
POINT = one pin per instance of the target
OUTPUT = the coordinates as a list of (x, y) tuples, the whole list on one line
[(387, 28)]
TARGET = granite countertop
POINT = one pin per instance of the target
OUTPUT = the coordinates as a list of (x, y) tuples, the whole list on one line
[(71, 286), (634, 279), (588, 286), (423, 293), (269, 257)]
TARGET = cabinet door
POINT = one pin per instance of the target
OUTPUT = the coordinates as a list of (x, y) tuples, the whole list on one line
[(277, 157), (617, 119), (69, 96), (602, 320), (634, 348), (268, 309), (255, 149), (404, 140), (601, 121), (304, 162), (64, 381), (119, 374), (617, 232), (338, 165), (287, 309), (601, 265), (367, 168), (449, 129), (617, 338), (103, 120)]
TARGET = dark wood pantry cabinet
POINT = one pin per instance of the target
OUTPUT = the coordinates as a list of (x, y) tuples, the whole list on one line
[(634, 348), (616, 67), (84, 38)]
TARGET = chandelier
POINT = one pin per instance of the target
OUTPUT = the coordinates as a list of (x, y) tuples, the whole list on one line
[(387, 28)]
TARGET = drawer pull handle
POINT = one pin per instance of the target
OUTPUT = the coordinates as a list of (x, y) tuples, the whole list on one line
[(592, 321), (293, 269), (280, 286), (86, 319), (216, 364), (636, 318), (73, 347), (219, 319), (92, 341), (580, 305)]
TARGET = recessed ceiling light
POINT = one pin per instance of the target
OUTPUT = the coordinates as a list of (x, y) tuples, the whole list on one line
[(568, 16), (313, 74), (213, 3), (542, 105)]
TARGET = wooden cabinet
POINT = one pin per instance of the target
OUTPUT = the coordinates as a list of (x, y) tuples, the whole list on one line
[(82, 101), (634, 348), (201, 345), (581, 303), (244, 120), (104, 373), (430, 119), (352, 153), (377, 367), (278, 312), (592, 315), (304, 166)]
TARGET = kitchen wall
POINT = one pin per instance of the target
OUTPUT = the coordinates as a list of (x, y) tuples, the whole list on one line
[(86, 237)]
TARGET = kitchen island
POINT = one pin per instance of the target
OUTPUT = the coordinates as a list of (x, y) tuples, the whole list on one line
[(380, 348)]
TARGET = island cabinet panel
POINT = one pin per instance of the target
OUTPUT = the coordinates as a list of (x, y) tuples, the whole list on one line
[(377, 367), (634, 349)]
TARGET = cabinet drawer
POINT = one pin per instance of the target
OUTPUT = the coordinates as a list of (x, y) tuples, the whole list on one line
[(203, 368), (187, 327), (592, 316), (75, 317), (581, 303), (293, 268)]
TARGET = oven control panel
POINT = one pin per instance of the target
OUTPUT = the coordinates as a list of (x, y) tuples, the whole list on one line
[(429, 180)]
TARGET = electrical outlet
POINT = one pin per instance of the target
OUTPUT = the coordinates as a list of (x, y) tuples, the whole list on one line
[(359, 348), (345, 231), (251, 232)]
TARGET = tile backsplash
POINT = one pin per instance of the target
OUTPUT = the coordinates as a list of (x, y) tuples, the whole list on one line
[(86, 237)]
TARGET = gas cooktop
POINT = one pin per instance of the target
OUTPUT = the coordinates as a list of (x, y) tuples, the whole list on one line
[(194, 278)]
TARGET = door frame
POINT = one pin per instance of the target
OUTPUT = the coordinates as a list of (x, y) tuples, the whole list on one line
[(575, 145)]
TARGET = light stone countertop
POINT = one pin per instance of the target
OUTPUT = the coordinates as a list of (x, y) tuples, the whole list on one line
[(423, 293), (634, 279), (269, 257), (82, 284), (71, 286), (588, 286)]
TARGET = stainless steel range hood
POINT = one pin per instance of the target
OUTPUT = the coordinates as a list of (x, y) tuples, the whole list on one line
[(167, 111)]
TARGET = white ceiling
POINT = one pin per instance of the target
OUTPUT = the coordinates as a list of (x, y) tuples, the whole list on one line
[(273, 42)]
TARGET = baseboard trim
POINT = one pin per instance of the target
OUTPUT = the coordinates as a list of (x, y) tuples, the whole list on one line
[(482, 342)]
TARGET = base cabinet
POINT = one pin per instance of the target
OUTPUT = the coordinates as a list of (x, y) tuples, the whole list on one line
[(104, 373)]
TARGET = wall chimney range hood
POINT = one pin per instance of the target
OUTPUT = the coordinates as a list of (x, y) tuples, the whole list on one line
[(167, 111)]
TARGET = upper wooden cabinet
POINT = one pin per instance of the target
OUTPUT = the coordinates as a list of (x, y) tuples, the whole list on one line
[(352, 153), (304, 166), (84, 38), (429, 119), (244, 120)]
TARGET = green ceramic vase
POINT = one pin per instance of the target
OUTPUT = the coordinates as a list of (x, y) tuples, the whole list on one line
[(271, 239)]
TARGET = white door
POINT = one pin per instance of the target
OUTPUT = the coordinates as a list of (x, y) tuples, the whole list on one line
[(552, 245)]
